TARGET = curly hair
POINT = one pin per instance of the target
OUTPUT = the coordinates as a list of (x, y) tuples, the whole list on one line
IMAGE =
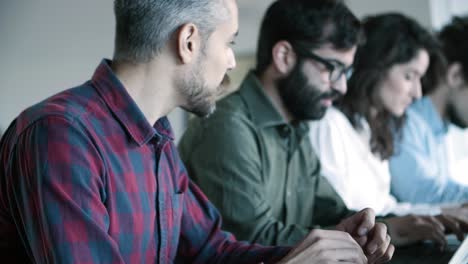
[(391, 39)]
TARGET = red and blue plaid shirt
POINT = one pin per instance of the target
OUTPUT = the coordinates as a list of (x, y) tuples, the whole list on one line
[(84, 178)]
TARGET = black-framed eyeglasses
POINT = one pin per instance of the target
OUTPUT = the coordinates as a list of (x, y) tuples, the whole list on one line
[(334, 67)]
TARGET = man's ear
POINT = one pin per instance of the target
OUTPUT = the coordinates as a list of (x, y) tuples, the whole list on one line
[(284, 57), (455, 75), (188, 43)]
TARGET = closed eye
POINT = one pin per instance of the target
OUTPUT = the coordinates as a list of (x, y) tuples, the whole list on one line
[(410, 76)]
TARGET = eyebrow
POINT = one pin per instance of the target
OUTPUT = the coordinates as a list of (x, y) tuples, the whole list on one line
[(338, 62), (416, 71)]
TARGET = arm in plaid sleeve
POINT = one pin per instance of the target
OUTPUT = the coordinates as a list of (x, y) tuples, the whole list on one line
[(56, 197), (203, 241)]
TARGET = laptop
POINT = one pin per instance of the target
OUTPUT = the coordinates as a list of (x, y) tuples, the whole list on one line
[(461, 255)]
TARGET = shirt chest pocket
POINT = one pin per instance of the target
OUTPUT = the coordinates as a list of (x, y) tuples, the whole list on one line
[(306, 183), (177, 200)]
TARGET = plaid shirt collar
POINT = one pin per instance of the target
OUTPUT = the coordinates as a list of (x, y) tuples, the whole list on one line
[(125, 109)]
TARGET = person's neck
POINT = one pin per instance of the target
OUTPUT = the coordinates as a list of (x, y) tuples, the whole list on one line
[(373, 112), (150, 85), (439, 99), (271, 89)]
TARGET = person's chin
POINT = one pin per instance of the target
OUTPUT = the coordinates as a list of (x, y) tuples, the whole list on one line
[(208, 113), (202, 111), (398, 112), (321, 113), (459, 121), (326, 102), (315, 115), (401, 112)]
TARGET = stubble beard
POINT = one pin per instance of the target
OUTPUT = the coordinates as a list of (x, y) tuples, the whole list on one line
[(200, 101)]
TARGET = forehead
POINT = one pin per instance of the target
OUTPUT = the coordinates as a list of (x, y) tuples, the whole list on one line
[(421, 60), (328, 51), (418, 63)]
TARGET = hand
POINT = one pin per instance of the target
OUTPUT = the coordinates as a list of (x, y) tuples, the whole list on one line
[(326, 246), (413, 228), (371, 236), (460, 212), (454, 225)]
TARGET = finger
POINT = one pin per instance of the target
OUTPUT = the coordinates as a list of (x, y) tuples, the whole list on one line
[(436, 221), (453, 226), (342, 247), (428, 231), (361, 240), (358, 224), (344, 241), (319, 234), (381, 249), (386, 257), (437, 230), (352, 255), (367, 222), (377, 239), (462, 221)]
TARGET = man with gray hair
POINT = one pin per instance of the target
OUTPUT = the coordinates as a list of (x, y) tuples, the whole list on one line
[(91, 175)]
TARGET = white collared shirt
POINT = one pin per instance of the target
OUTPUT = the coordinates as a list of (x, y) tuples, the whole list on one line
[(359, 177)]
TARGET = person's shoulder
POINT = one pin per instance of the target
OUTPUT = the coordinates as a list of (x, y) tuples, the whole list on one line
[(71, 105), (415, 129), (232, 105), (227, 128), (414, 119), (229, 123), (419, 110), (231, 111)]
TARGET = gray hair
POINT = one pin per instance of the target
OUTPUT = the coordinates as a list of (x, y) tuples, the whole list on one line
[(143, 27)]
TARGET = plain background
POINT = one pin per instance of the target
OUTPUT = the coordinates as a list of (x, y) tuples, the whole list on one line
[(50, 45)]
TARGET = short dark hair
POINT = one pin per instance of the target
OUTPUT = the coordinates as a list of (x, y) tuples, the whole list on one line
[(316, 22), (391, 39), (454, 43)]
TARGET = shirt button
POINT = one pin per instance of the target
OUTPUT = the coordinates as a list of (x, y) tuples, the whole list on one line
[(284, 131), (288, 193)]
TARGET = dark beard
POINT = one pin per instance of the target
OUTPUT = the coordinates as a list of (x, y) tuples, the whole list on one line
[(302, 99), (454, 117)]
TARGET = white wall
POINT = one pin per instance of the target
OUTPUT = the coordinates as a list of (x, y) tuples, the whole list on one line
[(443, 10), (418, 9), (50, 45), (432, 14)]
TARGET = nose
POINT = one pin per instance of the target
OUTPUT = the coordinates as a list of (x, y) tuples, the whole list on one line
[(341, 85), (416, 92), (231, 60)]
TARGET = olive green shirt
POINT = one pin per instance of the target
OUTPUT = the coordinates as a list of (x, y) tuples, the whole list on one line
[(258, 170)]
